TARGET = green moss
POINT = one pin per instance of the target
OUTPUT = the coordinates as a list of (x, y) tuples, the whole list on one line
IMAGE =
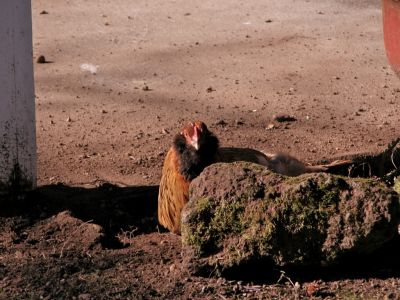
[(303, 211), (208, 224), (227, 217), (196, 231), (255, 241)]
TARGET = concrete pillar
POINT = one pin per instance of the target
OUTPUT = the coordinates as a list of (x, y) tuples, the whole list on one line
[(17, 100)]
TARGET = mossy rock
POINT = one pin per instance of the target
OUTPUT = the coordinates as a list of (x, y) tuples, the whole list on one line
[(242, 213)]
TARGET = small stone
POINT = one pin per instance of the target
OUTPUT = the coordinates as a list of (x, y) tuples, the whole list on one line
[(210, 89), (239, 122), (84, 297), (41, 59), (221, 123), (284, 118), (389, 296), (270, 126), (44, 12)]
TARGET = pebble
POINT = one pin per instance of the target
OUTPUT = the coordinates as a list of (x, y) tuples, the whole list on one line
[(84, 297), (210, 89), (41, 59), (284, 118), (239, 122), (389, 296), (221, 123)]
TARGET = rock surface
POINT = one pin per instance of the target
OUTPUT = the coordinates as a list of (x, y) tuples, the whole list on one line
[(241, 214)]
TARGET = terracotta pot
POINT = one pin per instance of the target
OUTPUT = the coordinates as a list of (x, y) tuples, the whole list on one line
[(391, 30)]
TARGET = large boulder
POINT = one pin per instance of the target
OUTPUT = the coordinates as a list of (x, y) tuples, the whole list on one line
[(243, 213)]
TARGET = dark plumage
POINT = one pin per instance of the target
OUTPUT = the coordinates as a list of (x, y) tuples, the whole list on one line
[(193, 161)]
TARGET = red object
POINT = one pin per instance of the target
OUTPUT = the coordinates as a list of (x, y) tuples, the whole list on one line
[(391, 31)]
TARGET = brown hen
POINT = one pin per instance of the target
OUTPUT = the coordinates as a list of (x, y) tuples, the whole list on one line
[(195, 148)]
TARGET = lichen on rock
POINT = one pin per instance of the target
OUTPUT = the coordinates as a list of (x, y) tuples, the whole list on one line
[(243, 213)]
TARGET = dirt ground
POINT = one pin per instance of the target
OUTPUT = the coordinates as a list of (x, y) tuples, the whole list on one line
[(121, 79)]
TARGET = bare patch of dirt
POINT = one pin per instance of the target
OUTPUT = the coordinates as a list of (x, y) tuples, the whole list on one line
[(322, 62)]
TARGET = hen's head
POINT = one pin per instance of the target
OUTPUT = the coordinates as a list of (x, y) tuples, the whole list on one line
[(195, 134)]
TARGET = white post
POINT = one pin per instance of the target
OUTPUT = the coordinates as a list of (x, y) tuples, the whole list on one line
[(17, 100)]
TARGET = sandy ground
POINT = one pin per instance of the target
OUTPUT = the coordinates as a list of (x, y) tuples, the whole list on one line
[(160, 64)]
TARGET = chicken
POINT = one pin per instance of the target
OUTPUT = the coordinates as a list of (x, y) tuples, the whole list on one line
[(195, 148)]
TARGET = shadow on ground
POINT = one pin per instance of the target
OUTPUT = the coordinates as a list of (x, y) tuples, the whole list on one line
[(114, 208), (382, 264)]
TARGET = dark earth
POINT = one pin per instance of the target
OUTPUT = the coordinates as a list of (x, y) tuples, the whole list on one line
[(89, 230)]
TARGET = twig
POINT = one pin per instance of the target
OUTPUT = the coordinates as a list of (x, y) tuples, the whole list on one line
[(283, 276)]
